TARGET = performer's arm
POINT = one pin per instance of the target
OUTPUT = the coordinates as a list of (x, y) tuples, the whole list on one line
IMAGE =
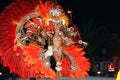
[(68, 40), (49, 34)]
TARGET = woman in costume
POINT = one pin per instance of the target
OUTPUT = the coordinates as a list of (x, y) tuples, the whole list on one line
[(27, 32), (58, 40)]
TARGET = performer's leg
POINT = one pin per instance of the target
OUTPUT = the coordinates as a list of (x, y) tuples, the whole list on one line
[(46, 61), (73, 64), (58, 64)]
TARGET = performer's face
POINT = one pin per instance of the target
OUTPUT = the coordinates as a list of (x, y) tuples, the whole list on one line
[(57, 31)]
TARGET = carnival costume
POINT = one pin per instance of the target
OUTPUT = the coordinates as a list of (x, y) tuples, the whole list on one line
[(27, 38)]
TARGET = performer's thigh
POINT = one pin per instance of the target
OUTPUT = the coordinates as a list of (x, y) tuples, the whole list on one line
[(55, 54)]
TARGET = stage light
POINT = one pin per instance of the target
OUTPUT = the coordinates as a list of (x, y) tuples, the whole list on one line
[(0, 73), (69, 12), (98, 72)]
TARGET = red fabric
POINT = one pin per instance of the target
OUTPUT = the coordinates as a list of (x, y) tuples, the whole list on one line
[(112, 65)]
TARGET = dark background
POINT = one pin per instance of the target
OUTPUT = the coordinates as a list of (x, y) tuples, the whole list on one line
[(103, 12), (98, 21)]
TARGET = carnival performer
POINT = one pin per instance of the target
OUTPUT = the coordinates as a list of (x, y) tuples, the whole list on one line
[(34, 33), (57, 39)]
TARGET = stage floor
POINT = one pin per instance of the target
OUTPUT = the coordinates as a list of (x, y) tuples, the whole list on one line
[(66, 78)]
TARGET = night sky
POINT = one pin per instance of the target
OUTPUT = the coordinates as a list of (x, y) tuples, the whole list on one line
[(95, 13)]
